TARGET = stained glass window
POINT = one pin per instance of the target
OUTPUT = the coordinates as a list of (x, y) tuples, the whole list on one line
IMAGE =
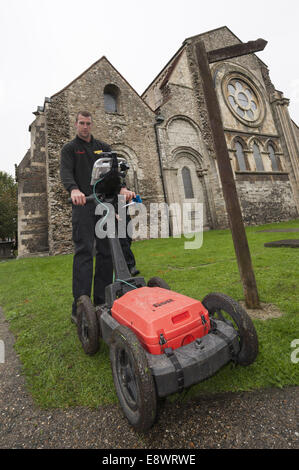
[(242, 100), (258, 158), (187, 182), (240, 157), (273, 158)]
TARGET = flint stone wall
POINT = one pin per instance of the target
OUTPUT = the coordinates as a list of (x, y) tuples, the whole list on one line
[(264, 198), (32, 195)]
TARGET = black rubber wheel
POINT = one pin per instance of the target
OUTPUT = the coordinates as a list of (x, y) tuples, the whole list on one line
[(133, 380), (87, 325), (157, 282), (221, 307)]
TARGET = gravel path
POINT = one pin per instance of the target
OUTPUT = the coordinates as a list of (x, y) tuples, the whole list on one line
[(258, 420)]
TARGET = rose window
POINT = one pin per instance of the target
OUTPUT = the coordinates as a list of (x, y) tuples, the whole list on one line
[(243, 100)]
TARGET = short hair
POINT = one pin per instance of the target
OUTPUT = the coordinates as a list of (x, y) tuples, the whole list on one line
[(84, 114)]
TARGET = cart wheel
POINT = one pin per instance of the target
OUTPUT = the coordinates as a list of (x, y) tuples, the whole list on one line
[(87, 325), (221, 307), (133, 380), (157, 282)]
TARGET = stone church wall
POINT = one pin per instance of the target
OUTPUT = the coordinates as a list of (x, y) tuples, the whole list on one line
[(59, 210), (265, 199), (268, 196), (32, 194)]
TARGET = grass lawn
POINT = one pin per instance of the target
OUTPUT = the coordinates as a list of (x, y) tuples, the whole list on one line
[(35, 294)]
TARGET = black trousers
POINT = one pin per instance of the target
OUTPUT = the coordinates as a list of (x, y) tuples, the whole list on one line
[(84, 221), (125, 244)]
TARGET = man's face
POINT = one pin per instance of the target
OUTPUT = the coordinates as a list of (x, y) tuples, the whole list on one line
[(83, 126)]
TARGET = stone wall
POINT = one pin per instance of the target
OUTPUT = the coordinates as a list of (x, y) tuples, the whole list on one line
[(181, 144), (177, 94), (264, 198), (59, 210), (32, 194)]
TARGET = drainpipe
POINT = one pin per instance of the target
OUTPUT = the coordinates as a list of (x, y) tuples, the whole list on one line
[(159, 120)]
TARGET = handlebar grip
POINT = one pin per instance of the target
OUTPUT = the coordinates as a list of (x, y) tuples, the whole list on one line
[(87, 198), (90, 198)]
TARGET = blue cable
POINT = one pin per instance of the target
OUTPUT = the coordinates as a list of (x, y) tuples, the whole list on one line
[(121, 280)]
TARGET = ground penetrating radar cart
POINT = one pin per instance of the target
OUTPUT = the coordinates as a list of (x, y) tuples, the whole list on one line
[(160, 341)]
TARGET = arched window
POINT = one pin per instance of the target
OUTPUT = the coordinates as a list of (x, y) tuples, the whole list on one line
[(111, 94), (240, 157), (258, 158), (273, 158), (187, 182)]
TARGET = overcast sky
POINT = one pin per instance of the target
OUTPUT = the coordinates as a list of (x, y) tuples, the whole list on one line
[(46, 44)]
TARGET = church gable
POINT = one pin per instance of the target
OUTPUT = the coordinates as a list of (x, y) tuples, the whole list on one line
[(97, 83), (216, 38), (120, 118), (177, 70)]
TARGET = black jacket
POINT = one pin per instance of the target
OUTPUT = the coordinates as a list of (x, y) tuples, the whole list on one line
[(77, 159)]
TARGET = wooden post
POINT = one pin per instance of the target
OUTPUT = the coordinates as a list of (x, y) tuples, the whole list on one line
[(228, 182)]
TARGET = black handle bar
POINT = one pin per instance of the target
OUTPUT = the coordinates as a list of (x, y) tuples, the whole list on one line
[(92, 198), (87, 198)]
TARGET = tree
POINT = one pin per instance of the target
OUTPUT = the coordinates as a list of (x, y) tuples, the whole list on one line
[(8, 206)]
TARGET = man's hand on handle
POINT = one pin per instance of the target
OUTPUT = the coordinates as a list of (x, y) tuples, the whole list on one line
[(78, 198), (129, 195)]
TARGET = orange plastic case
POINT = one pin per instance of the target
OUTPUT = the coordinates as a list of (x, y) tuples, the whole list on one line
[(161, 318)]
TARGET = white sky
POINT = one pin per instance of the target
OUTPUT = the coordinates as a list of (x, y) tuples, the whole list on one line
[(46, 44)]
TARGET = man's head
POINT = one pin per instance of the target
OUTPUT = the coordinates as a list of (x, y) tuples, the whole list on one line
[(83, 125)]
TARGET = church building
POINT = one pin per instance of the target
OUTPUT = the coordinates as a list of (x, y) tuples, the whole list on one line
[(165, 137)]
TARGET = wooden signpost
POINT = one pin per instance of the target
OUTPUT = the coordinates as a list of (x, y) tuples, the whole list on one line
[(223, 160)]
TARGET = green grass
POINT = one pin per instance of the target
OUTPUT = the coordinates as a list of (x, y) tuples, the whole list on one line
[(35, 294)]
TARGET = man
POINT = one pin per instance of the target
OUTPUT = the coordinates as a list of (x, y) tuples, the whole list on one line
[(77, 160)]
